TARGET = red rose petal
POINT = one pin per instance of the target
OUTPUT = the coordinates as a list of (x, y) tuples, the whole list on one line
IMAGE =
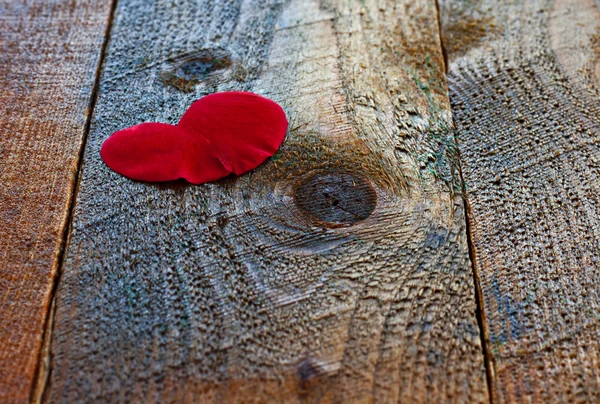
[(219, 134), (244, 128), (158, 152)]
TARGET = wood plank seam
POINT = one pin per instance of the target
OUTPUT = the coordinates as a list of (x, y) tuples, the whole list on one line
[(480, 313), (50, 52), (39, 386), (442, 45)]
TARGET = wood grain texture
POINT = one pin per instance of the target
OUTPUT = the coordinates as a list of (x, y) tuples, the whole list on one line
[(243, 290), (49, 52), (523, 83)]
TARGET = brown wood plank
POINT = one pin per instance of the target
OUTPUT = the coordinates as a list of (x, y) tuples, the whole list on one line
[(246, 289), (49, 52), (523, 83)]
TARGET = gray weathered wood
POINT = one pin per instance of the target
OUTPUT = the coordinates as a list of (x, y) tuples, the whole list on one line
[(49, 52), (523, 82), (242, 290)]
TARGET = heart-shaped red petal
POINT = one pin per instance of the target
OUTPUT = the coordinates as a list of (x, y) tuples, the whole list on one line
[(244, 129), (219, 134)]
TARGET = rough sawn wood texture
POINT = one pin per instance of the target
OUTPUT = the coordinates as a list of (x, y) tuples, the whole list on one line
[(524, 86), (243, 290), (49, 52)]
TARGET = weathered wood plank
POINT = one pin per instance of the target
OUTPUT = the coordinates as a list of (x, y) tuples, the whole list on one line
[(49, 52), (523, 82), (269, 287)]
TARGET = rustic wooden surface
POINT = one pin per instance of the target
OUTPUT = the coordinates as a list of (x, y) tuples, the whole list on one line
[(523, 83), (49, 52), (244, 290)]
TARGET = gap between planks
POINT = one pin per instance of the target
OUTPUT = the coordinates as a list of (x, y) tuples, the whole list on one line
[(480, 314), (44, 365)]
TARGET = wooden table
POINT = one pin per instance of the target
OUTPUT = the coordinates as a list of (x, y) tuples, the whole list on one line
[(462, 136)]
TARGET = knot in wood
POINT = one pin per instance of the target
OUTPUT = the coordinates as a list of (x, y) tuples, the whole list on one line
[(335, 199), (189, 69), (201, 65)]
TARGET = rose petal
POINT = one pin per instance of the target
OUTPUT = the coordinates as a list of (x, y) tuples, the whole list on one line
[(244, 129), (158, 152)]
